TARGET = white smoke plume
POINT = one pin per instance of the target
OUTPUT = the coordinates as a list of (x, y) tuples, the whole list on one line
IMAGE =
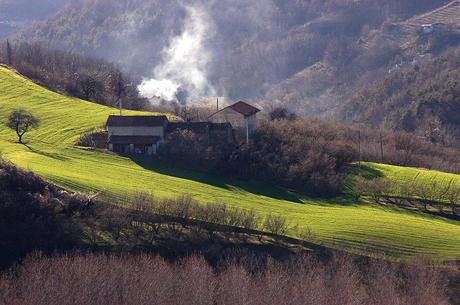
[(184, 66)]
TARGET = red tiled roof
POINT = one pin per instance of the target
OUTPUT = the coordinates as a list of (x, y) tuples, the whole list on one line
[(243, 108)]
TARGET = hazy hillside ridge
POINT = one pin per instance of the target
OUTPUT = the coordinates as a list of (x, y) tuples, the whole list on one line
[(240, 49)]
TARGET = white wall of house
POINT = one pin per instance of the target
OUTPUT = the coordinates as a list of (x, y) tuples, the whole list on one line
[(237, 120), (231, 116), (157, 131)]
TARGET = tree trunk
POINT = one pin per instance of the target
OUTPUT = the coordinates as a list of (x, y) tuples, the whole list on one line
[(20, 137)]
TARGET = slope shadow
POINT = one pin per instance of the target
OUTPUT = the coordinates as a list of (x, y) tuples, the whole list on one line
[(218, 181), (344, 200), (365, 171), (59, 157)]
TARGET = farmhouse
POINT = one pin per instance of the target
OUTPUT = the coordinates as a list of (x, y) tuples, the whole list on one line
[(240, 115)]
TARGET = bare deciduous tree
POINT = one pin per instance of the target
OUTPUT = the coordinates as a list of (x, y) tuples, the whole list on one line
[(452, 194), (22, 121), (428, 191)]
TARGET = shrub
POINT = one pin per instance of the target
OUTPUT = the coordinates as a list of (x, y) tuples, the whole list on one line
[(275, 224)]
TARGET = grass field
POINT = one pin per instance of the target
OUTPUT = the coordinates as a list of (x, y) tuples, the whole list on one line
[(339, 223), (404, 176)]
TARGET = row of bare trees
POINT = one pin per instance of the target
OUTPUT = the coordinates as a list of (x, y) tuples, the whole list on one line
[(422, 193), (149, 215), (171, 220), (144, 279)]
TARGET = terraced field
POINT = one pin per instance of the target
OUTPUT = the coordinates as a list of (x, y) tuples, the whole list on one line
[(448, 14), (407, 31), (339, 223)]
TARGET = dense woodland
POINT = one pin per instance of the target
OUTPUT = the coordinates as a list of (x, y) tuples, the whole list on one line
[(422, 97)]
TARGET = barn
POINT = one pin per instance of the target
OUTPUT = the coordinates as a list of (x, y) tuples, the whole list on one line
[(136, 134)]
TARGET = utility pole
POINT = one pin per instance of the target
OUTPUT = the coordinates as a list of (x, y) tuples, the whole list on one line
[(247, 131), (217, 104), (359, 146), (9, 53), (358, 124), (121, 107)]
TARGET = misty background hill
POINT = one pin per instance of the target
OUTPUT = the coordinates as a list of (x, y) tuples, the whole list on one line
[(314, 57), (18, 14)]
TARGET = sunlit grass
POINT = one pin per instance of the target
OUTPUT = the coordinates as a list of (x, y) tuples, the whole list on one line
[(338, 223)]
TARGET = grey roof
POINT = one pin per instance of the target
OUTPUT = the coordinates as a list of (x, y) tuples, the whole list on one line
[(198, 127), (145, 120), (141, 140)]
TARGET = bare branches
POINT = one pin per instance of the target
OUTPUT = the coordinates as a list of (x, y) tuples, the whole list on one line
[(146, 279), (429, 192)]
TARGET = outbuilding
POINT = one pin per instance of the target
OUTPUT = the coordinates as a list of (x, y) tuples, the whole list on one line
[(136, 134)]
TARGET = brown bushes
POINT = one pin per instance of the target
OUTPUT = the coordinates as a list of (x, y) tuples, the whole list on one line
[(98, 279), (305, 155)]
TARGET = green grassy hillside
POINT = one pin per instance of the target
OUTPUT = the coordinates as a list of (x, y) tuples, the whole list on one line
[(340, 224), (402, 177)]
